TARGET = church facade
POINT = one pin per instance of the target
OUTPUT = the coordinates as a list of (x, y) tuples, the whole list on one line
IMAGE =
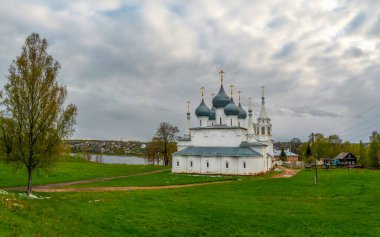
[(226, 140)]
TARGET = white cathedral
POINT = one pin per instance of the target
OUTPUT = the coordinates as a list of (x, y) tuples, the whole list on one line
[(225, 141)]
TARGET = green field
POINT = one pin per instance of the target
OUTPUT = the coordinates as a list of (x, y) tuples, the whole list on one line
[(159, 179), (70, 169), (343, 204)]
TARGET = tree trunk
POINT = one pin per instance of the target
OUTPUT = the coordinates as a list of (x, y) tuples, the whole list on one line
[(29, 191), (166, 155)]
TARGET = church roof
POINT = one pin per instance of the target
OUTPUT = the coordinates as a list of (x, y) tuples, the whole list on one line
[(242, 113), (212, 114), (218, 126), (231, 108), (263, 112), (287, 152), (221, 99), (250, 144), (218, 151), (202, 110)]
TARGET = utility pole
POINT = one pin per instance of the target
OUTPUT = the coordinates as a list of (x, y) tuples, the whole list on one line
[(315, 160)]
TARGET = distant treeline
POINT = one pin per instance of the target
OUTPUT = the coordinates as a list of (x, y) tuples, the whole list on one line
[(320, 146)]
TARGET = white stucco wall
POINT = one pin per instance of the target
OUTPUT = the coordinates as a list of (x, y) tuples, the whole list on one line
[(233, 119), (202, 121), (218, 137), (219, 113), (217, 165), (242, 123)]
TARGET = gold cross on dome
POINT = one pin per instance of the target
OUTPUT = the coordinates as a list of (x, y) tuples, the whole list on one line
[(239, 93), (232, 87), (202, 91), (221, 76)]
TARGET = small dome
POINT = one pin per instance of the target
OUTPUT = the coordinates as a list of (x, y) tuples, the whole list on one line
[(231, 108), (212, 114), (202, 110), (242, 113), (221, 99)]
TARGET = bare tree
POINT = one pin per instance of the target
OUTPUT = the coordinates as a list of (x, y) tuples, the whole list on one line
[(166, 134), (34, 120)]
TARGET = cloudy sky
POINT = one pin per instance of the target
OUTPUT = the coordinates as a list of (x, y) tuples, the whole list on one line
[(129, 65)]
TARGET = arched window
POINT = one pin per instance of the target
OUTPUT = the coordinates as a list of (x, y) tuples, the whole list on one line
[(191, 163), (239, 123), (244, 165), (207, 164), (226, 164), (220, 119), (263, 131), (177, 162), (200, 123), (231, 122), (269, 131)]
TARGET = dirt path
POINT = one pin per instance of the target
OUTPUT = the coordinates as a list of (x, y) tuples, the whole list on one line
[(65, 184), (286, 174), (106, 189), (59, 187)]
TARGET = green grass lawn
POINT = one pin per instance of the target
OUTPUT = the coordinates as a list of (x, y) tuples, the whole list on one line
[(70, 169), (158, 179), (343, 204)]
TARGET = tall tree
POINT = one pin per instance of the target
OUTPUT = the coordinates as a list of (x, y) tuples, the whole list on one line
[(362, 154), (153, 151), (166, 134), (34, 120), (283, 154), (374, 152), (295, 144), (308, 153)]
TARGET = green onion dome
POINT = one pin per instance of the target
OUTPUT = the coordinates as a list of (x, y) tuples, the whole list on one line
[(221, 99), (231, 108), (242, 113), (202, 110), (212, 114)]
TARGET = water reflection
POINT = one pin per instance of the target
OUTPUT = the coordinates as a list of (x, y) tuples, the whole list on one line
[(130, 160)]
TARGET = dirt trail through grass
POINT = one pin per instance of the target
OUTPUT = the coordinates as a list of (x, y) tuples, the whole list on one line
[(60, 187), (65, 184), (287, 173), (105, 189)]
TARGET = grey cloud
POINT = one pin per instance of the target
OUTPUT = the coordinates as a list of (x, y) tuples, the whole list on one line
[(286, 51), (129, 66), (354, 52), (306, 110), (375, 29), (356, 22)]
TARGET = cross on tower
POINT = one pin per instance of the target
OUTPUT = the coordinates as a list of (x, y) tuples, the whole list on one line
[(239, 93), (232, 87), (221, 76), (188, 106), (202, 91)]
